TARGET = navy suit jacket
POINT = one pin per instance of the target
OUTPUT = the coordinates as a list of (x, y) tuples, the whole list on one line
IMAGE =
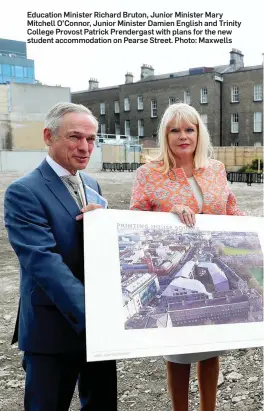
[(40, 221)]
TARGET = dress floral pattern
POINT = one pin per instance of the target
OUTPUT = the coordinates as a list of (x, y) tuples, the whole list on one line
[(154, 191)]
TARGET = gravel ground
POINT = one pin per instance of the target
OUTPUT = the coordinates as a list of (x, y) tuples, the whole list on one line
[(141, 382)]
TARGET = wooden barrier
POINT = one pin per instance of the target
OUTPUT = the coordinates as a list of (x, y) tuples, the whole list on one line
[(232, 157)]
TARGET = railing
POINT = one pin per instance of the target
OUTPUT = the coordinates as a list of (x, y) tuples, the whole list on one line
[(249, 178), (117, 139), (120, 166), (233, 177)]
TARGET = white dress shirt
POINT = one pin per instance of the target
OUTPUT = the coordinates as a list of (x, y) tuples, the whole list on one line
[(62, 172)]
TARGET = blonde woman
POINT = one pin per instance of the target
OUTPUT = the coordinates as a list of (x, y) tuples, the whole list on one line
[(185, 180)]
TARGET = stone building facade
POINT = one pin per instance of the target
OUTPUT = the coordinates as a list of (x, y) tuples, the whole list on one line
[(229, 98)]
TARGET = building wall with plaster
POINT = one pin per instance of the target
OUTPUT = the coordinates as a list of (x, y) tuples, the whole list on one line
[(22, 112), (5, 129)]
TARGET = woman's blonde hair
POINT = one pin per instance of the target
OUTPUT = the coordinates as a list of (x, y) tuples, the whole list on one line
[(181, 112)]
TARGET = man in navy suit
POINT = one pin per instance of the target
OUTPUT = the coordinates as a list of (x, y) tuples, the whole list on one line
[(44, 225)]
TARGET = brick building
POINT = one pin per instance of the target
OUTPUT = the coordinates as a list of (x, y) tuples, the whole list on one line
[(229, 98)]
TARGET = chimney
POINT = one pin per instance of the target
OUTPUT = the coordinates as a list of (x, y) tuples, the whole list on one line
[(129, 78), (236, 58), (146, 71), (93, 84)]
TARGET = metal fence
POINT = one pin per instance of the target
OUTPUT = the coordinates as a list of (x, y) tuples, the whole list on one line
[(248, 178), (117, 138), (120, 166), (233, 177)]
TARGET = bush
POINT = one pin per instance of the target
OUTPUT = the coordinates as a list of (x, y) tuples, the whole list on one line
[(251, 168), (254, 164), (243, 169)]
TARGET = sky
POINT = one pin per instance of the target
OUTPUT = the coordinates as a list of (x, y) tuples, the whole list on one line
[(72, 65)]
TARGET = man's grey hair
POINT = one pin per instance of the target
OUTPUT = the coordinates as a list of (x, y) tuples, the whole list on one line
[(54, 116)]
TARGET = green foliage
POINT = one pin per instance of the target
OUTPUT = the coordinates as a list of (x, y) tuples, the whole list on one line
[(254, 164), (253, 167)]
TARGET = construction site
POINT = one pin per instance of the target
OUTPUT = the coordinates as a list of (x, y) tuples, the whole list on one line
[(141, 382)]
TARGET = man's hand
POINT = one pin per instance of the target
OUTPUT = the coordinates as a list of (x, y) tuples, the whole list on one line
[(89, 207)]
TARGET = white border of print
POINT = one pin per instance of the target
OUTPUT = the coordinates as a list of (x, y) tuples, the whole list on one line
[(106, 337)]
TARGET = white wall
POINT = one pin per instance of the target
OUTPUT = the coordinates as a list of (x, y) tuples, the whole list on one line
[(29, 99), (95, 162), (25, 161), (20, 161)]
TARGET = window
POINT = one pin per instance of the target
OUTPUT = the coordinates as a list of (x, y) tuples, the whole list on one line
[(126, 104), (204, 96), (187, 97), (117, 108), (13, 71), (19, 71), (140, 103), (234, 123), (102, 108), (103, 128), (0, 69), (172, 100), (154, 111), (234, 94), (30, 72), (204, 117), (258, 92), (258, 122), (25, 72), (127, 127), (141, 128), (117, 128), (6, 69)]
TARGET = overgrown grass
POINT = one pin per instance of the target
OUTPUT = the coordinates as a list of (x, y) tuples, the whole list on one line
[(239, 251)]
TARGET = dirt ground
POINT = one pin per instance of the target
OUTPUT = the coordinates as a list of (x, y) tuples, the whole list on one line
[(141, 382)]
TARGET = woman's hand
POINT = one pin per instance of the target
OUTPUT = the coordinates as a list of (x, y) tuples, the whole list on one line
[(89, 207), (185, 213)]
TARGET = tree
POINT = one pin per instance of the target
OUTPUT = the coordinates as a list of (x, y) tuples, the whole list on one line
[(253, 167)]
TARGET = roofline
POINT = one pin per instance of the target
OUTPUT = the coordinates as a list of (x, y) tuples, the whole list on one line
[(259, 67), (17, 41), (97, 89), (245, 69), (134, 83)]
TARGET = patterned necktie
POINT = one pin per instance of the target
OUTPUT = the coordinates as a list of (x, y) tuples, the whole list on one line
[(74, 184)]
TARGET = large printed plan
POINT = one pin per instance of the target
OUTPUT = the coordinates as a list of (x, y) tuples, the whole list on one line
[(155, 286)]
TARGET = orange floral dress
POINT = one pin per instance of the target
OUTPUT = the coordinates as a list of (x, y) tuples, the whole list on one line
[(154, 191)]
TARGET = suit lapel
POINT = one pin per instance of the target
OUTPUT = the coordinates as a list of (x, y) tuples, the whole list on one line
[(58, 188)]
